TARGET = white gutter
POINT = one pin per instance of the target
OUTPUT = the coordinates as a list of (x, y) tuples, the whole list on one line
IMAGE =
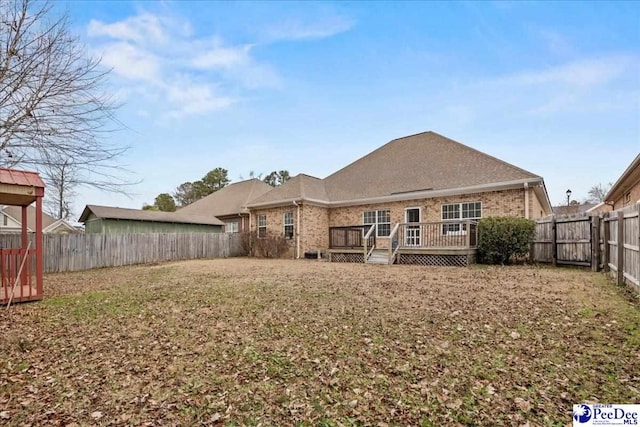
[(526, 200), (507, 185), (297, 231)]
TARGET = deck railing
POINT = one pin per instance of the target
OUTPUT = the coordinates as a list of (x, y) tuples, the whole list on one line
[(413, 235), (351, 237), (440, 234)]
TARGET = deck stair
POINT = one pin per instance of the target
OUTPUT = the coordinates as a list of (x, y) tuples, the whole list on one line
[(378, 256)]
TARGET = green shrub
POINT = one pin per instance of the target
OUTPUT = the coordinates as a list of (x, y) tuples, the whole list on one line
[(501, 238)]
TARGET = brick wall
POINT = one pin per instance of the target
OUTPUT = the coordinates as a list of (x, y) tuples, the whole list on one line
[(494, 203), (314, 228), (315, 220), (634, 197), (275, 223)]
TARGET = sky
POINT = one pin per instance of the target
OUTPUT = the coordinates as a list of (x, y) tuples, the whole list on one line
[(553, 88)]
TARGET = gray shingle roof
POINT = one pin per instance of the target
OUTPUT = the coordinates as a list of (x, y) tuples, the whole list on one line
[(425, 161), (300, 186), (421, 162), (230, 200), (140, 215)]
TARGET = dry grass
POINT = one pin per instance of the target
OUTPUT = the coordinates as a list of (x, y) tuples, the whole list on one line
[(249, 342)]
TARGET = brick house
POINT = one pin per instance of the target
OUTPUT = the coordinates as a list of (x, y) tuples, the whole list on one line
[(626, 190), (229, 204), (421, 192)]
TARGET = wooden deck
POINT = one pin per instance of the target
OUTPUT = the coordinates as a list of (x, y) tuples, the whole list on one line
[(430, 243)]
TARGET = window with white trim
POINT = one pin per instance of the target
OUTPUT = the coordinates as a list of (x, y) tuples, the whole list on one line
[(288, 225), (381, 219), (262, 225), (460, 212), (231, 227)]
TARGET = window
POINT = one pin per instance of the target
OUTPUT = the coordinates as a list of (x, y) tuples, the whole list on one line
[(231, 227), (262, 225), (288, 225), (458, 212), (381, 219)]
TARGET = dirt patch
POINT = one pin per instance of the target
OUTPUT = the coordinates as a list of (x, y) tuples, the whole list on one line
[(248, 342)]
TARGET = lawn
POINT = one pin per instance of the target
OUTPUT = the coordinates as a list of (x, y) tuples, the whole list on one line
[(249, 342)]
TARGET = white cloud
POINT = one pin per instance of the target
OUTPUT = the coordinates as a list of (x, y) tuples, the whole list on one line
[(131, 62), (297, 30), (592, 72), (222, 57), (188, 98), (141, 29)]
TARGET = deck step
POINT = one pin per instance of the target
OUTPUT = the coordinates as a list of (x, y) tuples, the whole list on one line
[(379, 256)]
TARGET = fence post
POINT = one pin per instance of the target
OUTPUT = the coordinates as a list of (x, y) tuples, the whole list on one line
[(620, 263), (595, 243), (607, 249), (554, 242)]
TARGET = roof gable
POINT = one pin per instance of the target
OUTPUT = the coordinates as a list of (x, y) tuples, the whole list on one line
[(299, 187), (15, 212), (230, 200), (421, 162)]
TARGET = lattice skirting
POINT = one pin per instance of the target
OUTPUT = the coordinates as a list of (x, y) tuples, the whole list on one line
[(347, 257), (439, 260)]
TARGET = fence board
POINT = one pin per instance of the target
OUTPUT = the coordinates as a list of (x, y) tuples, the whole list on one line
[(75, 252)]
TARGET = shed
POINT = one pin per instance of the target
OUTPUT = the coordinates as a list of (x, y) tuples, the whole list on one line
[(113, 220), (19, 265)]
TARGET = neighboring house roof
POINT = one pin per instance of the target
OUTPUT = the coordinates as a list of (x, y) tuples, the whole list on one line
[(109, 212), (230, 200), (15, 212), (629, 178), (417, 166), (573, 209)]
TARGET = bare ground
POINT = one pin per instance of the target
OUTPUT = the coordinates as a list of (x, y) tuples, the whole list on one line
[(249, 342)]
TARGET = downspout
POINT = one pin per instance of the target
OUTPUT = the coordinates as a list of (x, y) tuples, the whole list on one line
[(526, 200), (297, 230)]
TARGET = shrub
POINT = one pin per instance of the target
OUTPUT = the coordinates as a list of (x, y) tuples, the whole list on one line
[(501, 238), (269, 246)]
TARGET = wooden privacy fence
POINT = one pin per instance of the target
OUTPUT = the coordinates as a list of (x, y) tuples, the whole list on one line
[(75, 252), (609, 241)]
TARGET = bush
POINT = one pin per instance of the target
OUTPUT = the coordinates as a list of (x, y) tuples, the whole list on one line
[(501, 238), (269, 246)]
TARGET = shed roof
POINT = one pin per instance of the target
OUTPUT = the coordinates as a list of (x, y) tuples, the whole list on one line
[(109, 212), (20, 188)]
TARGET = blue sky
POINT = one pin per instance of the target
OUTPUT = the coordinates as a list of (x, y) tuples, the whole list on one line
[(553, 88)]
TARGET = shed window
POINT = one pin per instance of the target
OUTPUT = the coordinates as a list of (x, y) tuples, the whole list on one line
[(459, 212), (381, 219), (262, 225), (288, 225)]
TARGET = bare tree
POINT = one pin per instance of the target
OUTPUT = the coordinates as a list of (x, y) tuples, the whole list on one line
[(598, 192), (62, 178), (52, 105)]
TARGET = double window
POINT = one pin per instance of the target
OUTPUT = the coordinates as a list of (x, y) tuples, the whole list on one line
[(460, 212), (381, 219), (288, 225), (262, 225)]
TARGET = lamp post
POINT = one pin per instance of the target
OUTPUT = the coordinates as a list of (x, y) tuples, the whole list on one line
[(568, 196)]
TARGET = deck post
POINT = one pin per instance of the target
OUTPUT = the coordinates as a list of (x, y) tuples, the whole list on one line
[(25, 244), (39, 248), (620, 263), (606, 256), (554, 242), (595, 243)]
